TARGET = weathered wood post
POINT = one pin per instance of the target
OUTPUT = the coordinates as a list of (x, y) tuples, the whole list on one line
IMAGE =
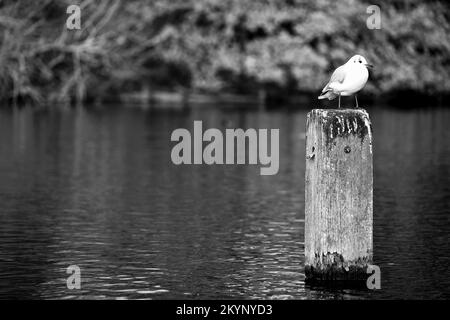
[(338, 195)]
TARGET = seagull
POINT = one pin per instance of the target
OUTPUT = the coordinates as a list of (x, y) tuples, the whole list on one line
[(347, 79)]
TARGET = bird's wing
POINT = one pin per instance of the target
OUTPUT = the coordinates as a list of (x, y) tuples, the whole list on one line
[(337, 76)]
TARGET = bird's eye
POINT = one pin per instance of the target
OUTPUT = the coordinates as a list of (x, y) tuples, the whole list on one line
[(360, 61)]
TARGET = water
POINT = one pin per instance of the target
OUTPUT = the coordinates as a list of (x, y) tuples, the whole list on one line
[(96, 188)]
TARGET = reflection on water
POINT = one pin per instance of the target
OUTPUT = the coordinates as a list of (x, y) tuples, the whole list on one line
[(97, 188)]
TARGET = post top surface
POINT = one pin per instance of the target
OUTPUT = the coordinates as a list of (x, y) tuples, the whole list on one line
[(341, 122), (333, 112)]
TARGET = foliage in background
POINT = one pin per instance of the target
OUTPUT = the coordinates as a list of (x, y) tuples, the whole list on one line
[(229, 45)]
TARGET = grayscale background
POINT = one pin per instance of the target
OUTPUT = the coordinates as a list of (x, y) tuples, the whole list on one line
[(86, 116)]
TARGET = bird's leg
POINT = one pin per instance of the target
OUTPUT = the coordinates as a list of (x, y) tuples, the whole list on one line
[(356, 99), (339, 101)]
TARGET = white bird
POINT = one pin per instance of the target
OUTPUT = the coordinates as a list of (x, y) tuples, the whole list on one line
[(347, 79)]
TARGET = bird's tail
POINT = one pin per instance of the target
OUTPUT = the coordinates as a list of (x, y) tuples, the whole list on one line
[(328, 95)]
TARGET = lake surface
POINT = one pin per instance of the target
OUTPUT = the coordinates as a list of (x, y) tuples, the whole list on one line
[(96, 188)]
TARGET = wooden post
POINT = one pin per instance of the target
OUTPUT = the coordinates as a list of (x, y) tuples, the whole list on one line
[(338, 195)]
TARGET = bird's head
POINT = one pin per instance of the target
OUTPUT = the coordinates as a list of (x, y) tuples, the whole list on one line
[(358, 59)]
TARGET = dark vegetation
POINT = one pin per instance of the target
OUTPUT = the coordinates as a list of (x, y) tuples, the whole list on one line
[(272, 48)]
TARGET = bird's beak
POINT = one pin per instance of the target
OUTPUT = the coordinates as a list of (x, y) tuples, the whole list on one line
[(369, 66)]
